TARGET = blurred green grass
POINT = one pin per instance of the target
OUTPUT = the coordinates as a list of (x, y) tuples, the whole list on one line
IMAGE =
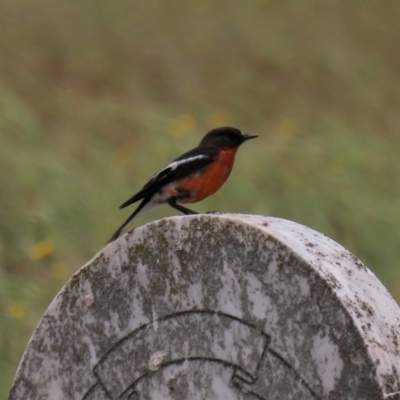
[(95, 96)]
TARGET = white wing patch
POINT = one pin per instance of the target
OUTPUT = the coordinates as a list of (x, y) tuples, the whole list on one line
[(174, 165)]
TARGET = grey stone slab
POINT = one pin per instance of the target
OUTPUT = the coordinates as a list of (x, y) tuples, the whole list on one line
[(217, 307)]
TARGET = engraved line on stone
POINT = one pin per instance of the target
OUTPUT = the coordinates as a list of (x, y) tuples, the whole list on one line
[(237, 379), (221, 337), (93, 392), (235, 383), (131, 392), (245, 375), (261, 386), (294, 372)]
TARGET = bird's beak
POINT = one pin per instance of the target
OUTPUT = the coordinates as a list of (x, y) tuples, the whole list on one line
[(248, 136)]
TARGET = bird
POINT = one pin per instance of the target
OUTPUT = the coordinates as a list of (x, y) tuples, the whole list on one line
[(191, 177)]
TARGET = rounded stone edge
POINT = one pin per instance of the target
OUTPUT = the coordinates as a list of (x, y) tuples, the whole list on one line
[(383, 345)]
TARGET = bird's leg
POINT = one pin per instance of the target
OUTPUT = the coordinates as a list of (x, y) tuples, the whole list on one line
[(184, 210)]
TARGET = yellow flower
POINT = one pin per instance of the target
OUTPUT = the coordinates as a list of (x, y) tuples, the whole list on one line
[(42, 250), (219, 118), (59, 271), (17, 309), (182, 125)]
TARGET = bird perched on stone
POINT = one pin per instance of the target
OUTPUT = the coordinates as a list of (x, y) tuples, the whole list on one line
[(191, 177)]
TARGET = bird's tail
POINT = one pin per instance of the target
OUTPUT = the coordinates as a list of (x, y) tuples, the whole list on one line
[(130, 218)]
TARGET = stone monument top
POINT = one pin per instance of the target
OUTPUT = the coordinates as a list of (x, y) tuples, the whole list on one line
[(217, 307)]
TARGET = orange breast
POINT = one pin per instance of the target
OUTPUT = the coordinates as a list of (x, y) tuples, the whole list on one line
[(210, 179)]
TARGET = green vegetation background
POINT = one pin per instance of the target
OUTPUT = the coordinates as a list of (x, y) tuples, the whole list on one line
[(96, 95)]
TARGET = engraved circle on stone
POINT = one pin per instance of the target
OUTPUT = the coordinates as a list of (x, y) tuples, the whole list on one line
[(202, 336), (193, 349)]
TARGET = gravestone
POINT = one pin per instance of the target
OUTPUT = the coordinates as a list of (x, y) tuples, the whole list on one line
[(217, 307)]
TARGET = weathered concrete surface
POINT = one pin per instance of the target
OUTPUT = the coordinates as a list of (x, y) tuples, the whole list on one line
[(217, 307)]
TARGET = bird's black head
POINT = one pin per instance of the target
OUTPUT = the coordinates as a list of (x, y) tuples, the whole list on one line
[(225, 138)]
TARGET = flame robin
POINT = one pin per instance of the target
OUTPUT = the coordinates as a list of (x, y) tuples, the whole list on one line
[(192, 177)]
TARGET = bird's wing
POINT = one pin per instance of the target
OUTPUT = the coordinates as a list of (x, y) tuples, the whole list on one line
[(187, 164)]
